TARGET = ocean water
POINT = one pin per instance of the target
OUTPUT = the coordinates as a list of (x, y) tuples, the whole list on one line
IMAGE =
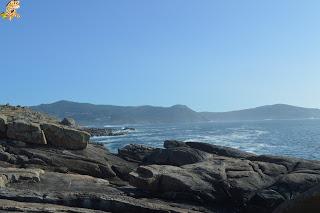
[(298, 138)]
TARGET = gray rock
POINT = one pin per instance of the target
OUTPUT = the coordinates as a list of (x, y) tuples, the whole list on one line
[(65, 137), (22, 159), (36, 161), (135, 152), (265, 200), (94, 160), (72, 190), (26, 131), (68, 122), (176, 156)]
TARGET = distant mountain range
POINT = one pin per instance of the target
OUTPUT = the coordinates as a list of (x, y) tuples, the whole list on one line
[(269, 112), (90, 114)]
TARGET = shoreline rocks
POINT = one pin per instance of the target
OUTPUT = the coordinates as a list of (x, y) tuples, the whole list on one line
[(68, 174), (100, 132)]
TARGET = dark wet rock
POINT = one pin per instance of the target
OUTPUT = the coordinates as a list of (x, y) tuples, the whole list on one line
[(26, 132), (36, 161), (174, 144), (22, 159), (176, 156), (68, 122), (123, 172), (265, 200), (308, 201), (135, 152), (65, 137), (3, 126), (5, 156)]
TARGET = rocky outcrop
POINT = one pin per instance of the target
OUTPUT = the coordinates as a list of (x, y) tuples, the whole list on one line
[(94, 160), (21, 124), (62, 191), (223, 175), (65, 137), (135, 152), (68, 174), (25, 131), (177, 179)]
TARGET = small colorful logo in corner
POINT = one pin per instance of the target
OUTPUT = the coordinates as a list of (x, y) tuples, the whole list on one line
[(11, 10)]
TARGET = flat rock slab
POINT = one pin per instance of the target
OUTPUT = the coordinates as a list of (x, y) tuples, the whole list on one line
[(14, 206), (11, 175)]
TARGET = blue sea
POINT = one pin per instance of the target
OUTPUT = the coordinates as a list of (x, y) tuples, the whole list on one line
[(298, 138)]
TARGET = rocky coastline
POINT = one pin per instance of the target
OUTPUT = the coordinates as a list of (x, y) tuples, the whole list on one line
[(51, 166), (100, 132)]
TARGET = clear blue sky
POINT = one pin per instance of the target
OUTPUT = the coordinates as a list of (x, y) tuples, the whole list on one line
[(212, 55)]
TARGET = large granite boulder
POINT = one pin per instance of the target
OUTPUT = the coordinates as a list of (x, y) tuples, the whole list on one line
[(176, 156), (217, 180), (3, 126), (65, 137), (26, 131)]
